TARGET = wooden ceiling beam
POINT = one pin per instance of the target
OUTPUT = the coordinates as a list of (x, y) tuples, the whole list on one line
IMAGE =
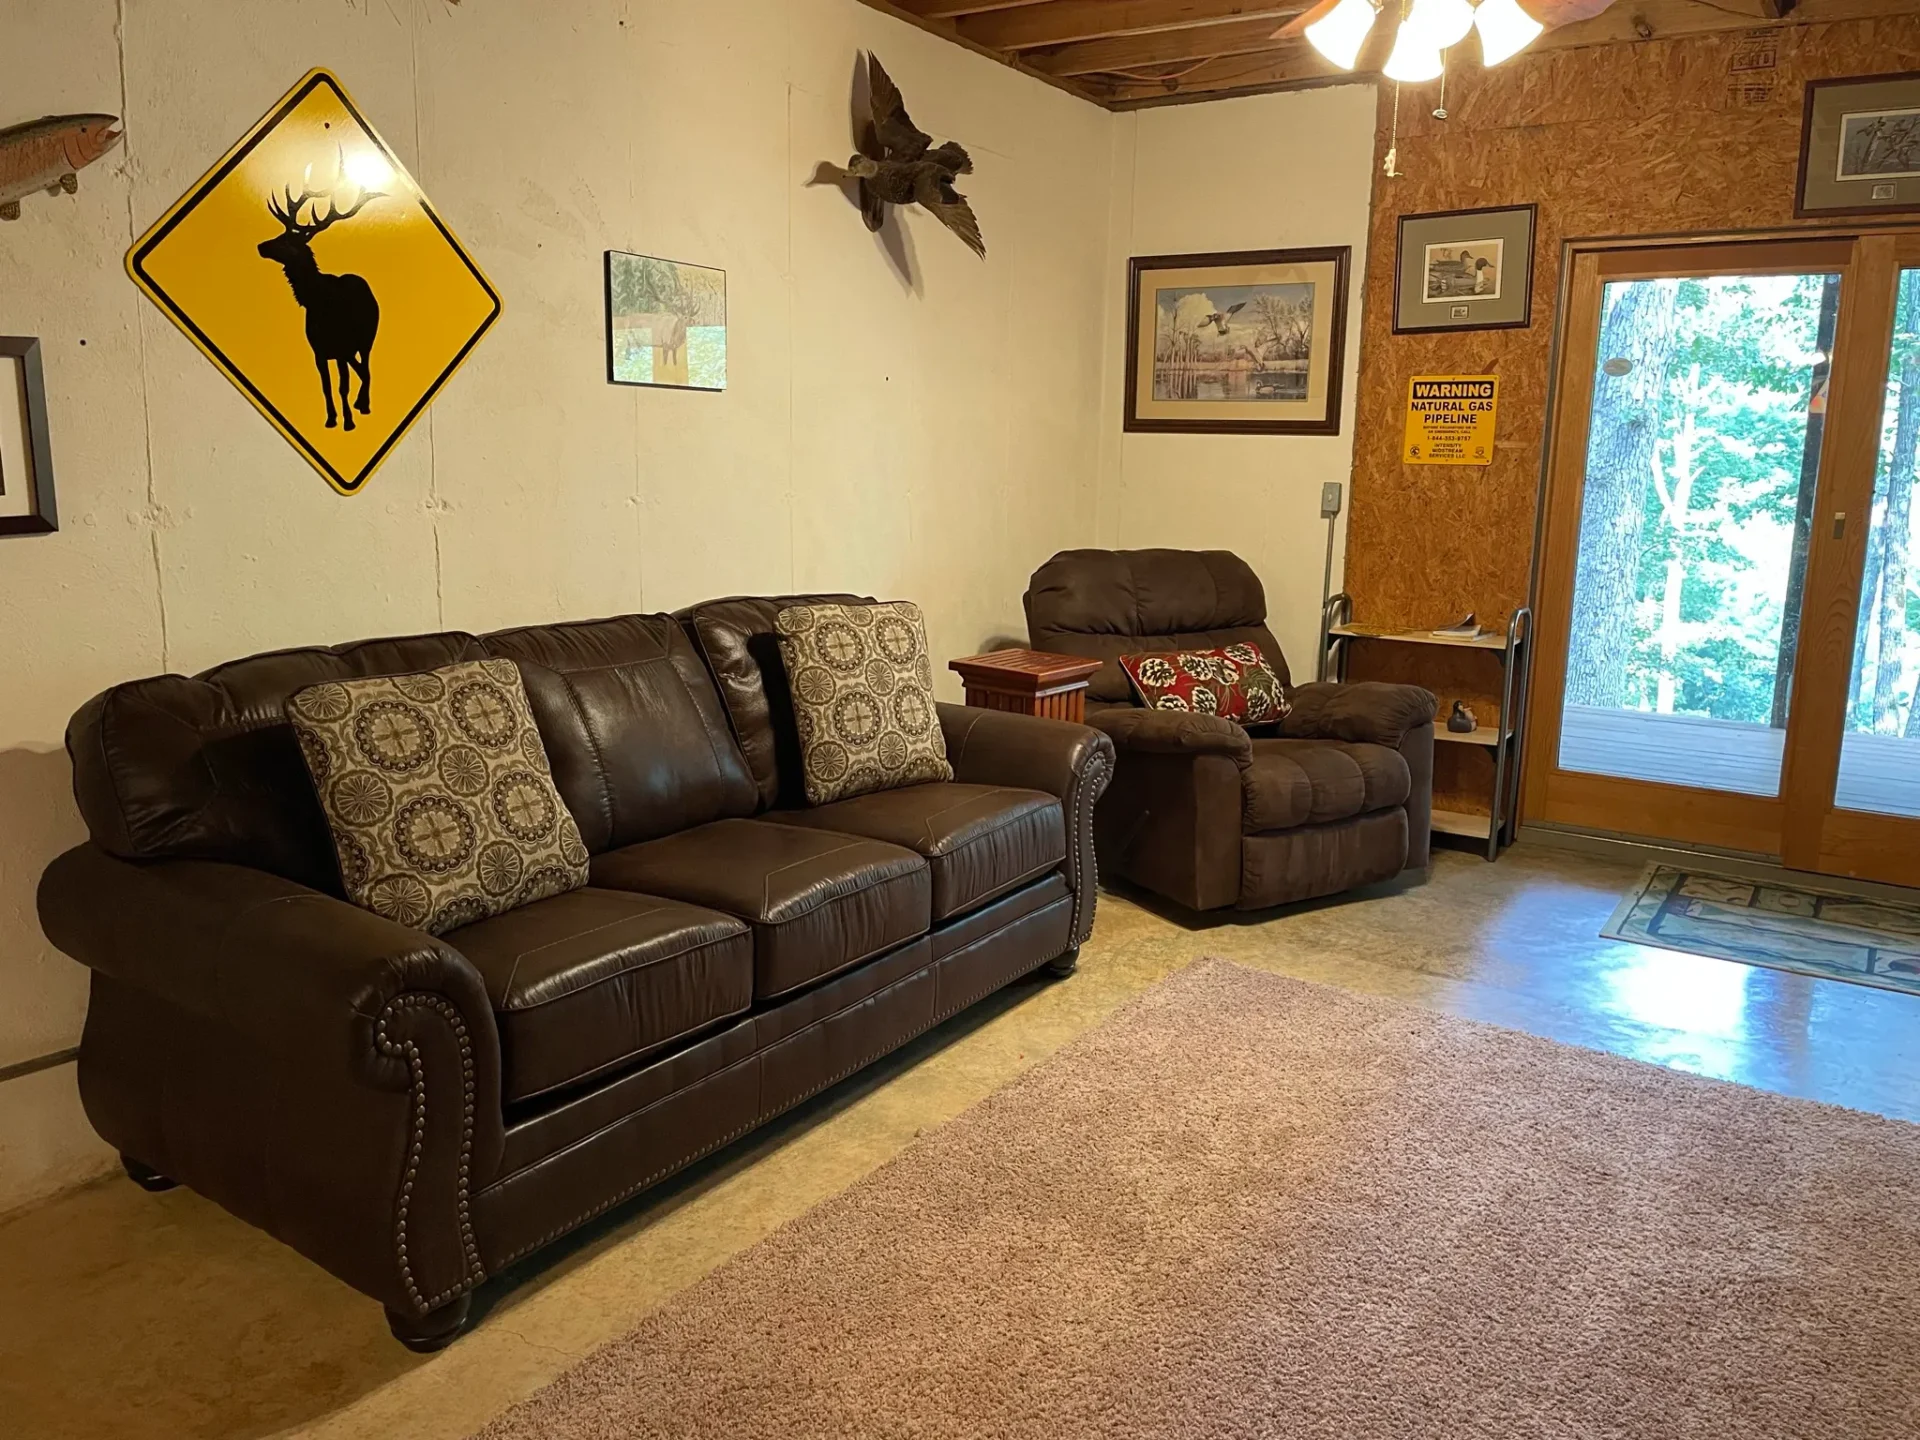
[(1067, 22), (955, 9), (1128, 52), (1626, 23)]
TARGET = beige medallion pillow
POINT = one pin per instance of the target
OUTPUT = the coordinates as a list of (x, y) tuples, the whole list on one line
[(862, 698), (438, 791)]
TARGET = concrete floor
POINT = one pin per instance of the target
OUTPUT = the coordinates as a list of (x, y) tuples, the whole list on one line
[(136, 1315)]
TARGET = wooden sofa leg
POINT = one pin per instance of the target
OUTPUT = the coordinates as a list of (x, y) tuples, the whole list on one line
[(146, 1177), (433, 1331), (1064, 965)]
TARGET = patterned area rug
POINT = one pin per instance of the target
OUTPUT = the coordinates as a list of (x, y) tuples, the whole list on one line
[(1785, 927), (1248, 1208)]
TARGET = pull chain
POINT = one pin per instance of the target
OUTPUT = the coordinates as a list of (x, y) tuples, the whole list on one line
[(1393, 144)]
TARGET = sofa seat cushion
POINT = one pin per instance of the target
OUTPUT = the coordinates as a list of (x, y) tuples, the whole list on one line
[(1311, 782), (595, 978), (979, 841), (818, 901)]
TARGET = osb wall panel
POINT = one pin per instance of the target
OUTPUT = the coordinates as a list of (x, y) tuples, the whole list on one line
[(1659, 138)]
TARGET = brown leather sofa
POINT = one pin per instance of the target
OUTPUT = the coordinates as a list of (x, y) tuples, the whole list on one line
[(415, 1114), (1339, 794)]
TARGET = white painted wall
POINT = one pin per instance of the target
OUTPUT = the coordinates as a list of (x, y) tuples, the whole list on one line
[(1263, 173), (934, 435)]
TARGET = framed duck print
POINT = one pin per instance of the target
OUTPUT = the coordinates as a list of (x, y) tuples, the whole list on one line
[(1464, 270), (1860, 147), (1244, 343)]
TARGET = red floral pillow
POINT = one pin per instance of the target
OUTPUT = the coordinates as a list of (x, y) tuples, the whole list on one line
[(1234, 682)]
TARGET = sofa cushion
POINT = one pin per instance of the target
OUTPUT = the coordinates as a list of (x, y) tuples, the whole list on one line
[(596, 978), (438, 791), (206, 768), (638, 739), (736, 638), (818, 901), (1310, 782), (979, 841), (1107, 603), (863, 701)]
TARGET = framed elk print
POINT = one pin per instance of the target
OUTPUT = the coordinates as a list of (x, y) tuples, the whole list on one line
[(1860, 146), (1247, 343), (666, 323), (26, 455), (1464, 270)]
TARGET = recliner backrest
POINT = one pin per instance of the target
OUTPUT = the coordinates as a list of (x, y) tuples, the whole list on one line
[(1107, 603)]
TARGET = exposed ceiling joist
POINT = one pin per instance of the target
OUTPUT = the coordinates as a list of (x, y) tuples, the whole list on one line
[(1130, 53), (1066, 22)]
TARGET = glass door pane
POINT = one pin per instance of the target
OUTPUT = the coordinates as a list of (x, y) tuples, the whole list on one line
[(1702, 455), (1880, 753)]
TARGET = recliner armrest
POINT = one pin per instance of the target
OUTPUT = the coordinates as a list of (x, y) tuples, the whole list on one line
[(1073, 762), (1365, 712), (1170, 732)]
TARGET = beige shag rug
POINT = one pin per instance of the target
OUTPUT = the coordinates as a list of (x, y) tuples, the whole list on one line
[(1247, 1206)]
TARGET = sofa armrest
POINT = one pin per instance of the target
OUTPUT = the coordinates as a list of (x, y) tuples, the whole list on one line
[(1073, 762), (1365, 712), (376, 1043), (1168, 732)]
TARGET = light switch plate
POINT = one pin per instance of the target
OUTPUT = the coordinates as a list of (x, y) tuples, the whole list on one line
[(1330, 499)]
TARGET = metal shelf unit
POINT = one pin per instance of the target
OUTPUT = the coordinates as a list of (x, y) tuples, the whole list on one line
[(1337, 636)]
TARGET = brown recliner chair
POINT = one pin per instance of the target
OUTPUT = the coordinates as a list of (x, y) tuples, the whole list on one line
[(1201, 811)]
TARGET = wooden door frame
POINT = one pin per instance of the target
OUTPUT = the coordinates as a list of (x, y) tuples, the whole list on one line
[(1799, 825)]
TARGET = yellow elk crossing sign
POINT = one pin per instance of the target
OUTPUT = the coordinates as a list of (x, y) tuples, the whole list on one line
[(310, 268)]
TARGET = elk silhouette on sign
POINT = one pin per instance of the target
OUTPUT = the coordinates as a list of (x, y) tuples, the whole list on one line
[(342, 315)]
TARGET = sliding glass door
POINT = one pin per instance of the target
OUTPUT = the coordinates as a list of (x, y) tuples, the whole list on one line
[(1729, 595)]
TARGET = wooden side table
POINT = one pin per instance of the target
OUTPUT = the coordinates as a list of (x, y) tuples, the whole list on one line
[(1028, 682)]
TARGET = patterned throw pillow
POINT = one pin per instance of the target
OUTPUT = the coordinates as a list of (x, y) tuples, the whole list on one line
[(862, 698), (1235, 683), (437, 787)]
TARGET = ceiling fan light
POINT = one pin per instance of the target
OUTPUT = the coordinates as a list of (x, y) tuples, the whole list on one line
[(1339, 34), (1440, 22), (1505, 30), (1414, 58)]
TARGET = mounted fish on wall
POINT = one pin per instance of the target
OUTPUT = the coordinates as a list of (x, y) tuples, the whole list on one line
[(49, 154), (307, 264)]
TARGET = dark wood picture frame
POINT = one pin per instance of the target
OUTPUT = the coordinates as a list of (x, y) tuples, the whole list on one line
[(1815, 88), (1341, 258), (610, 257), (42, 517), (1524, 320)]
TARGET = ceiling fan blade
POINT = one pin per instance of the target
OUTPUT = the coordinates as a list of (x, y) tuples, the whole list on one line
[(1305, 18)]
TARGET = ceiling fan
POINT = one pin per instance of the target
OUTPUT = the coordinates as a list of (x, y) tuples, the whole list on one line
[(1428, 28)]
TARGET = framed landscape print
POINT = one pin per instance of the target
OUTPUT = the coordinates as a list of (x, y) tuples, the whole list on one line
[(666, 323), (26, 455), (1464, 270), (1247, 343), (1860, 146)]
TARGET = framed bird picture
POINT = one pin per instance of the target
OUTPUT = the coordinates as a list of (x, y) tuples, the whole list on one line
[(1245, 343), (1465, 270)]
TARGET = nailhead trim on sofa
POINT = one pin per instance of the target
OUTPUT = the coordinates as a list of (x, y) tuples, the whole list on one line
[(476, 1270), (1088, 786), (765, 1115)]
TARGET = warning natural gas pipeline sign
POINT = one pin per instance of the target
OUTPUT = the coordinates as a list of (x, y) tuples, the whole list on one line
[(1450, 419)]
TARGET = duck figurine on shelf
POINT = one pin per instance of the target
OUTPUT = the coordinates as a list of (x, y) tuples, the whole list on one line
[(1461, 721)]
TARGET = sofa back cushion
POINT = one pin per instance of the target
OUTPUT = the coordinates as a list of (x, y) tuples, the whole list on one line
[(1107, 603), (633, 726), (737, 639), (207, 768)]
